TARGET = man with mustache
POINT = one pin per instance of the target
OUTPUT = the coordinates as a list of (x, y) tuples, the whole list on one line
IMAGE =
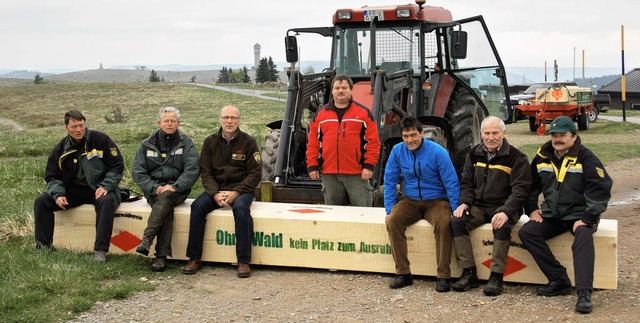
[(495, 185), (344, 147), (576, 190)]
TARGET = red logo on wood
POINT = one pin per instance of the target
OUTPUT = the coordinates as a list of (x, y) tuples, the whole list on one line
[(513, 265), (307, 211), (125, 241)]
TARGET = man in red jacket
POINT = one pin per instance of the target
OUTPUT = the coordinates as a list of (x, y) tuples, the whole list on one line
[(344, 147)]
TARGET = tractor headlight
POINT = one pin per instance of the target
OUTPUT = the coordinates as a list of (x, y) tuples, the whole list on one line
[(344, 15), (403, 13)]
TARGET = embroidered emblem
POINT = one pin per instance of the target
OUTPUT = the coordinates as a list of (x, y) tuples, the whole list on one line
[(256, 156), (600, 172), (114, 151), (238, 156)]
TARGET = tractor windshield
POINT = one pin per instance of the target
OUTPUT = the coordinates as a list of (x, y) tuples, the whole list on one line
[(396, 48)]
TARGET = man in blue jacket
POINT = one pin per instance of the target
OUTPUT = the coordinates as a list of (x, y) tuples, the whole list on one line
[(166, 166), (85, 167), (576, 190), (430, 191)]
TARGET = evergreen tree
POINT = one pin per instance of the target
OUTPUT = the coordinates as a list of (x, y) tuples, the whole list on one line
[(153, 77), (245, 75), (223, 77), (38, 79), (309, 70), (263, 72), (273, 71)]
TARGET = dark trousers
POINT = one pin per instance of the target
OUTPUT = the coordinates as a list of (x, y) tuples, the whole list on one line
[(105, 207), (241, 207), (160, 223), (477, 216), (534, 235), (407, 212)]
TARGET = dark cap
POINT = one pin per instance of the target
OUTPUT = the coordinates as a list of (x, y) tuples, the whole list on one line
[(562, 124)]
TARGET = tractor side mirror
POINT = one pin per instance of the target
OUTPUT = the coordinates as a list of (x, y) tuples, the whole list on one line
[(459, 44), (291, 48)]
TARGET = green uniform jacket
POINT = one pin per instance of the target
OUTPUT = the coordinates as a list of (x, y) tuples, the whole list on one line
[(576, 187), (101, 163), (504, 181), (230, 166), (179, 168)]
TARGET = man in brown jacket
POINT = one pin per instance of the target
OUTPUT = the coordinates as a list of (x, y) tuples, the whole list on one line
[(230, 168)]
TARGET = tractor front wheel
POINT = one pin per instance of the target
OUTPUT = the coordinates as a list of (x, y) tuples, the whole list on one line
[(465, 116)]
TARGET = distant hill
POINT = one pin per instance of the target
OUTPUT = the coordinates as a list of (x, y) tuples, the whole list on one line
[(22, 74)]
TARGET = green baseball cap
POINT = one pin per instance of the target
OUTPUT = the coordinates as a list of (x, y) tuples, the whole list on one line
[(562, 124)]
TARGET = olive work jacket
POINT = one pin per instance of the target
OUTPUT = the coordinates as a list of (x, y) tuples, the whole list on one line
[(577, 187)]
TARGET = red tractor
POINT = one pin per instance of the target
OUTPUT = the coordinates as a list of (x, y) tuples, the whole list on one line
[(404, 60)]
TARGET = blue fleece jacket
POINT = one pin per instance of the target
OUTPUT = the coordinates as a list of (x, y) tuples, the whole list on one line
[(428, 174)]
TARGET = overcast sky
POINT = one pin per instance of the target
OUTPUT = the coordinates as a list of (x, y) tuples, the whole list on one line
[(81, 34)]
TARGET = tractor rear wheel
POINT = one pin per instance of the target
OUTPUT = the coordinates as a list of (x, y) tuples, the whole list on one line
[(583, 121), (270, 154), (532, 124), (465, 116)]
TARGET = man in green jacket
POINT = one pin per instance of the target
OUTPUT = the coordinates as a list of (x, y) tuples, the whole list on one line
[(576, 190), (85, 167), (165, 167)]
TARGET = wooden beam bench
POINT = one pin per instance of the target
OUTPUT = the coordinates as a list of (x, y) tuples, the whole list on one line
[(329, 237)]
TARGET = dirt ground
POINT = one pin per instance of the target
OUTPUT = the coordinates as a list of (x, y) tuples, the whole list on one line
[(282, 294)]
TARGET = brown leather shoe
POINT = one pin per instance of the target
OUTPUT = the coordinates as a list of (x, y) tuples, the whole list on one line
[(192, 266), (244, 270)]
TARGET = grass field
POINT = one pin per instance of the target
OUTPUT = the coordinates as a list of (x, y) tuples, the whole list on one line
[(55, 286)]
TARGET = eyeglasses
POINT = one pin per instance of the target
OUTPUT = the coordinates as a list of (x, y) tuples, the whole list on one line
[(229, 117)]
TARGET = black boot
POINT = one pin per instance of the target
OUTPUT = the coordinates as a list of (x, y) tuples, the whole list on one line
[(494, 285), (401, 281), (468, 280), (560, 286), (584, 305)]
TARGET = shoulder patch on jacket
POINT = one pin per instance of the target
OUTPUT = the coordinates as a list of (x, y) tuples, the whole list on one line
[(600, 172), (256, 156), (114, 151)]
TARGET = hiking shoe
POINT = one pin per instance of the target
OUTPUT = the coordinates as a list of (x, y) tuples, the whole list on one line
[(144, 246), (401, 281), (159, 264), (468, 280), (584, 305), (494, 285), (443, 285), (192, 266), (560, 286), (101, 256), (244, 270)]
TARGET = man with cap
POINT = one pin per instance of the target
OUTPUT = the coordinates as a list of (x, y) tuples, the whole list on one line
[(576, 189)]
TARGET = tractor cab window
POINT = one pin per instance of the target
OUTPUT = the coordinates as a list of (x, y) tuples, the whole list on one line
[(396, 49), (480, 68)]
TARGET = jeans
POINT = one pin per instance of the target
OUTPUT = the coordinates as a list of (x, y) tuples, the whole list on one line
[(105, 207), (241, 208)]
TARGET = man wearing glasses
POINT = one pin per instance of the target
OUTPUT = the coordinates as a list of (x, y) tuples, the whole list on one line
[(230, 169)]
